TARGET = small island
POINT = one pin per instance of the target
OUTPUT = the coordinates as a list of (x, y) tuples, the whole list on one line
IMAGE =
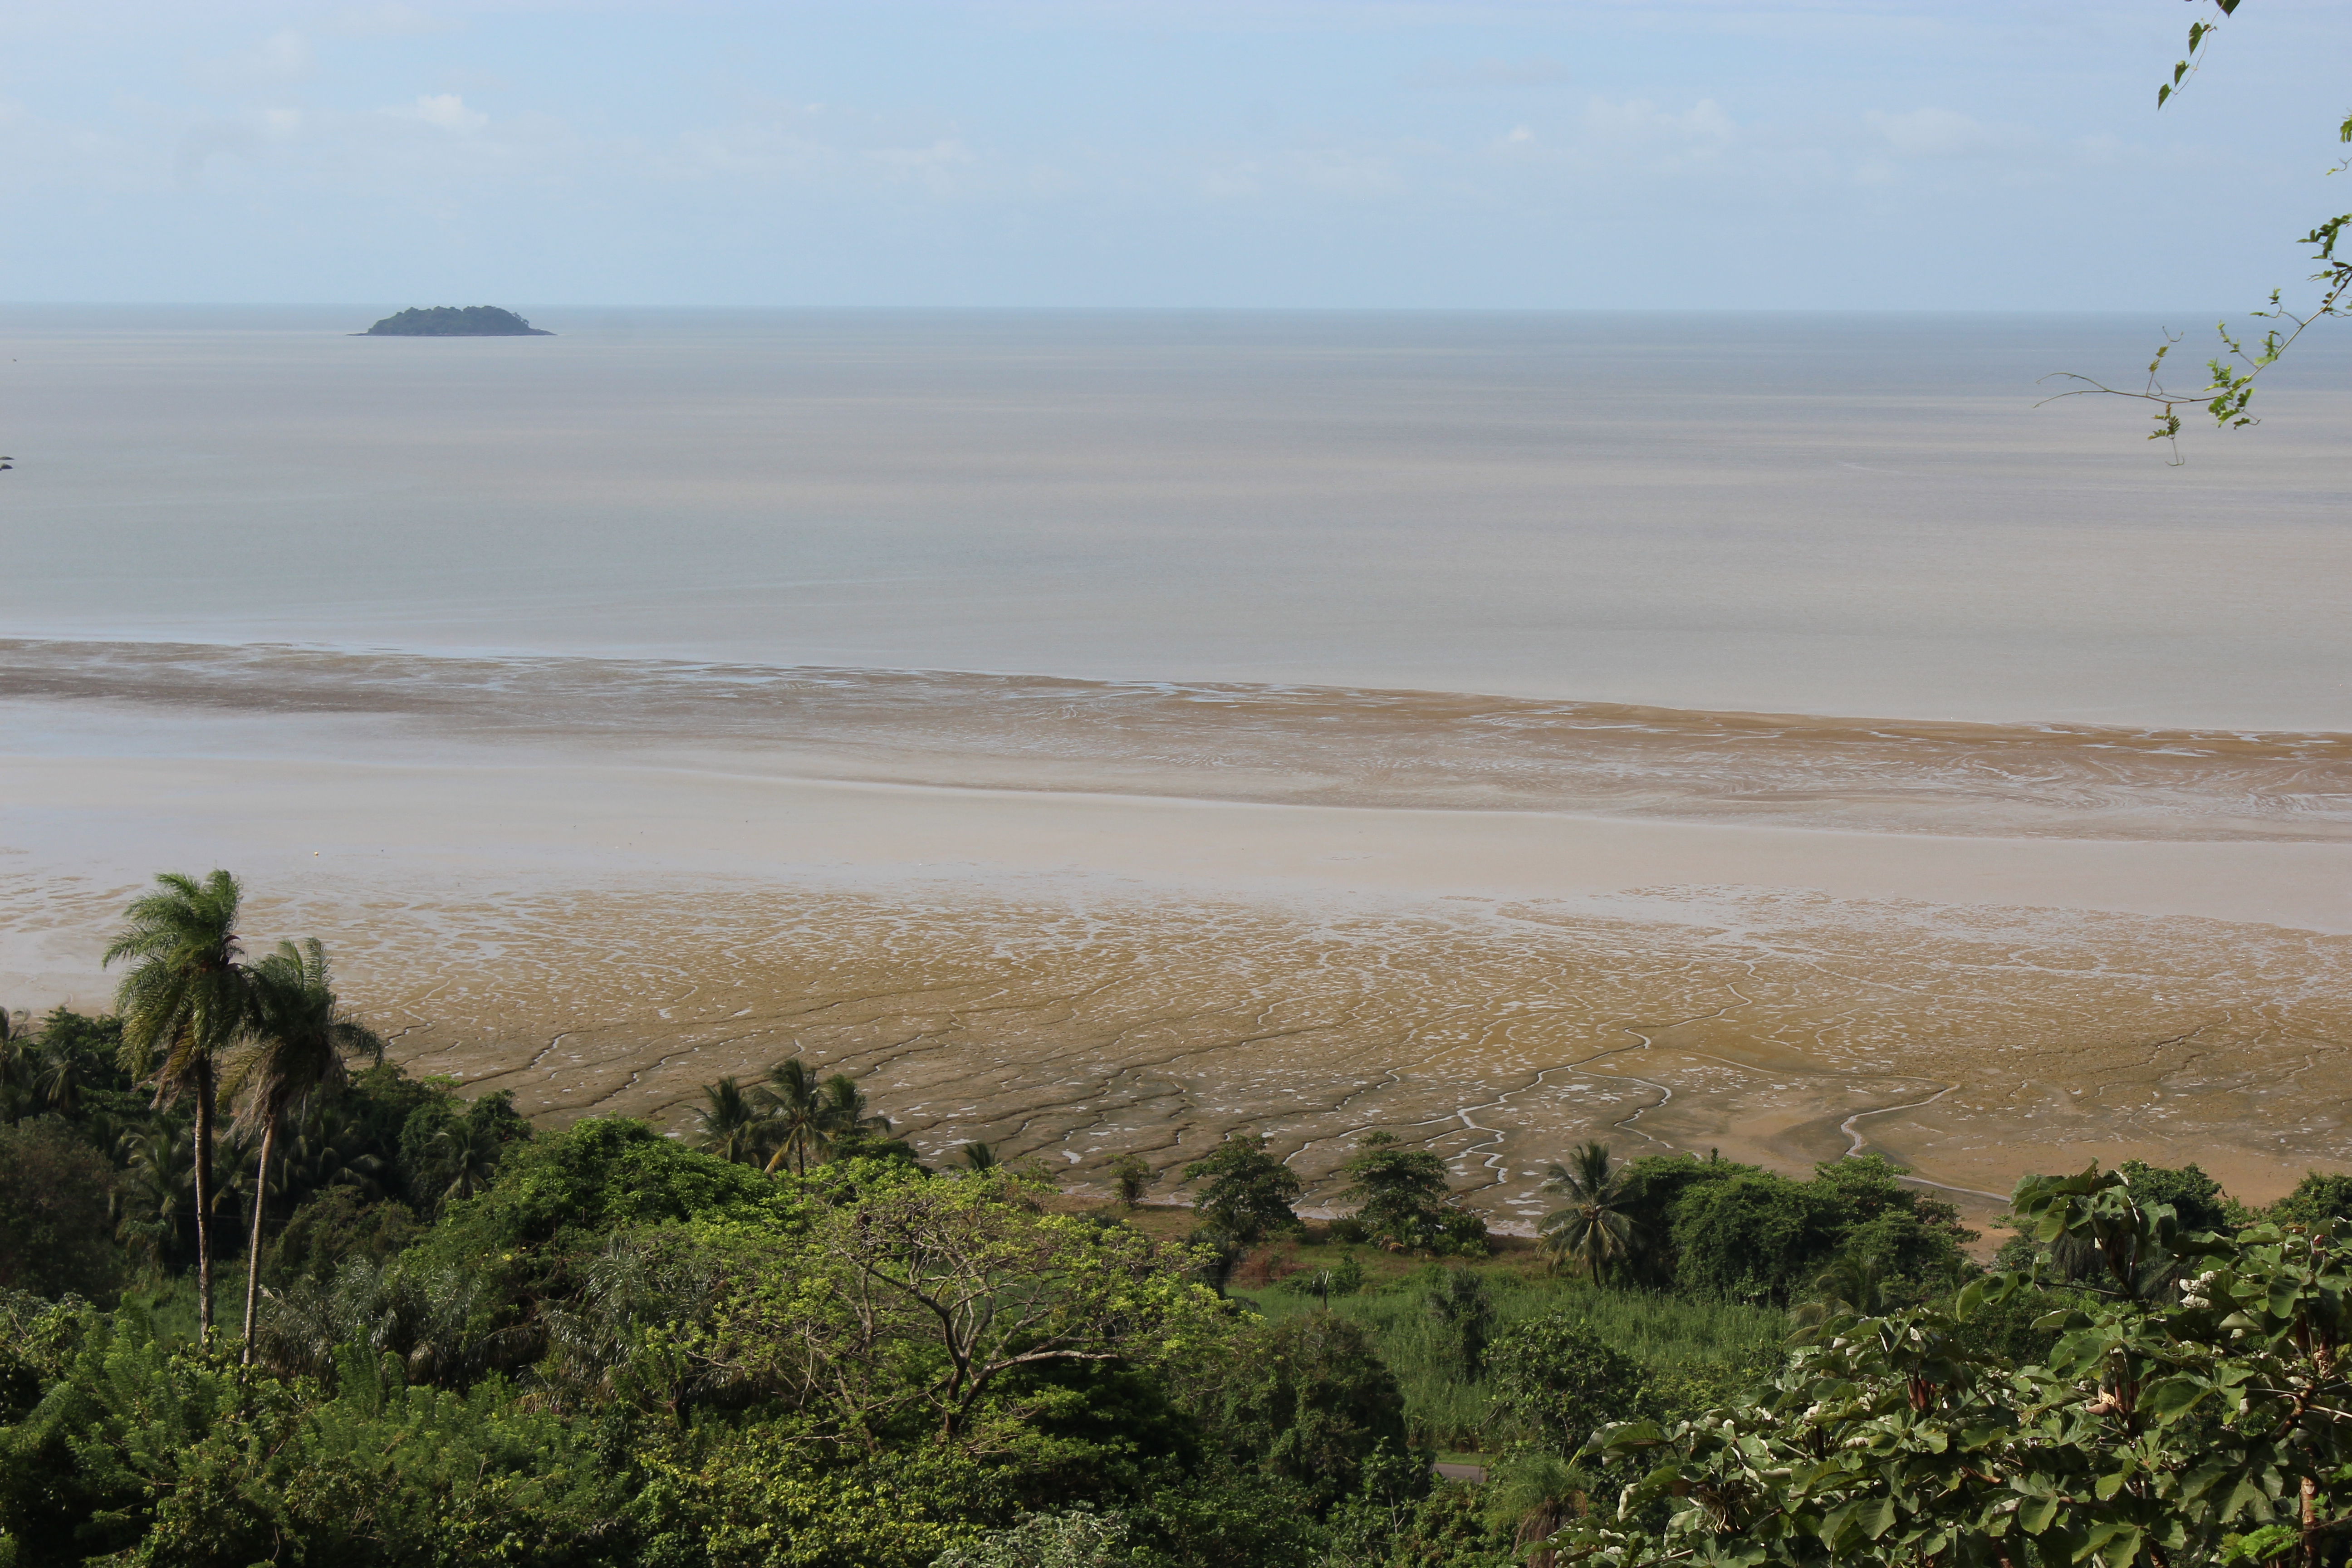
[(452, 322)]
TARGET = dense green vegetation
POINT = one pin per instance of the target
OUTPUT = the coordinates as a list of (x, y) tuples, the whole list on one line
[(456, 322), (795, 1344)]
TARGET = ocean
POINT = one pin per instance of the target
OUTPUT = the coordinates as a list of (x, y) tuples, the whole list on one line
[(1108, 732), (1830, 515)]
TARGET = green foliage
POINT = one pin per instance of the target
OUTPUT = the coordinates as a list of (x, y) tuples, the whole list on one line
[(2198, 1423), (2318, 1198), (1309, 1402), (1400, 1194), (1555, 1380), (1746, 1233), (932, 1304), (2196, 1199), (450, 1150), (605, 1173), (1445, 1527), (1465, 1310), (332, 1227), (55, 1229), (1694, 1353), (763, 1497), (164, 1457), (1080, 1537), (1247, 1191), (1596, 1230), (1133, 1176), (1344, 1277)]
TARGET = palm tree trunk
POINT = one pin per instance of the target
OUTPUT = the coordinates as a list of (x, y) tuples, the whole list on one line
[(205, 1203), (253, 1246)]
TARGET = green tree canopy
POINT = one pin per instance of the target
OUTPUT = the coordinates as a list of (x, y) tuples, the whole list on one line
[(1247, 1192)]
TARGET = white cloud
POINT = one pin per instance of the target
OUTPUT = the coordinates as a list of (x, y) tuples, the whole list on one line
[(444, 109), (1491, 73), (1933, 133), (755, 149), (1638, 121), (386, 21), (934, 165), (1237, 180), (283, 56)]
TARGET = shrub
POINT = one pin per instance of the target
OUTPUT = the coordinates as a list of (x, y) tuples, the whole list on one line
[(1249, 1192), (1310, 1402), (54, 1221), (1555, 1380)]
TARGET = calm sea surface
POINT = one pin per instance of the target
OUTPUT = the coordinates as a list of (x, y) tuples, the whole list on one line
[(1817, 514)]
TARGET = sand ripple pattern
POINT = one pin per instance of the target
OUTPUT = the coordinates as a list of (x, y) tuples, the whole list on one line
[(1971, 1044), (1315, 745)]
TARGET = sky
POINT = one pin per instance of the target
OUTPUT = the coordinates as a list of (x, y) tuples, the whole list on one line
[(1870, 154)]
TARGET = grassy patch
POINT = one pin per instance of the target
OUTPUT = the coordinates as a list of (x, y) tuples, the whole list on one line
[(1696, 1352)]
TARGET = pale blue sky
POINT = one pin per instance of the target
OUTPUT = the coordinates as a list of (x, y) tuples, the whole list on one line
[(1642, 153)]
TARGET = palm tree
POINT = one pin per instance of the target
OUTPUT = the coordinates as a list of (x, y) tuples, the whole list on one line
[(730, 1126), (300, 1036), (1532, 1496), (328, 1148), (17, 1069), (796, 1103), (1850, 1286), (844, 1120), (55, 1083), (470, 1151), (1596, 1230), (978, 1156), (184, 1000), (152, 1199)]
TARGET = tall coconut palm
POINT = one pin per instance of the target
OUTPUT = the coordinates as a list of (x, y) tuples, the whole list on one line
[(795, 1101), (1596, 1229), (730, 1125), (184, 1001), (300, 1036)]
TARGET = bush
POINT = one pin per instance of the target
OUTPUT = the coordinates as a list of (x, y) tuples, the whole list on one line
[(332, 1227), (1743, 1233), (1555, 1380), (1079, 1538), (55, 1229), (1249, 1192), (1310, 1402), (2316, 1198)]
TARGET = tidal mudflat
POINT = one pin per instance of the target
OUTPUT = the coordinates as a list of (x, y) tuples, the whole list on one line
[(1106, 731), (1073, 973)]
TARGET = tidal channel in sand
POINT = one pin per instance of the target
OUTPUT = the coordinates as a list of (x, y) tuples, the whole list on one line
[(1079, 973), (1067, 721)]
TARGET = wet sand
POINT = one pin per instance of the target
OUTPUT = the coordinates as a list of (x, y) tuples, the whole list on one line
[(1067, 720), (1073, 974)]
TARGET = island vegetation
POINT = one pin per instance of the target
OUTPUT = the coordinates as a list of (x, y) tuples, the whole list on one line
[(456, 322), (779, 1335)]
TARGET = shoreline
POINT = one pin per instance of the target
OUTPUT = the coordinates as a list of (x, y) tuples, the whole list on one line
[(608, 934)]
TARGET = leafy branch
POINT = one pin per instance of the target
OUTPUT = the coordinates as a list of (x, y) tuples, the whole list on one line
[(2229, 377)]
